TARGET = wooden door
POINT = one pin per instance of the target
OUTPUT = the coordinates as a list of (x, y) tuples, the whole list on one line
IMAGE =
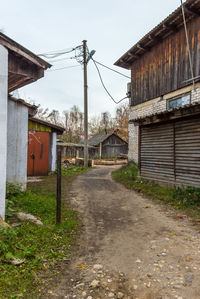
[(38, 153)]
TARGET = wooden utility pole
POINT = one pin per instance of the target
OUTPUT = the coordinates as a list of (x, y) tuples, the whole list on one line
[(85, 104), (58, 193)]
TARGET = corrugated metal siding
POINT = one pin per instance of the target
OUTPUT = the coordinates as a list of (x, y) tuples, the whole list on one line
[(157, 152), (171, 152), (187, 145)]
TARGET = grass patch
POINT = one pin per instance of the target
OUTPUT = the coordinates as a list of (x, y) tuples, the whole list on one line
[(187, 199), (40, 246)]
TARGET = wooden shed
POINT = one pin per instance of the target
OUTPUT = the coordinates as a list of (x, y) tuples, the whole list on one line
[(42, 146), (109, 145)]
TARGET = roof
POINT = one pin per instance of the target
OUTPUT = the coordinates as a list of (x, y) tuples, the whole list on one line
[(56, 128), (22, 51), (69, 144), (170, 114), (32, 109), (97, 139), (169, 25)]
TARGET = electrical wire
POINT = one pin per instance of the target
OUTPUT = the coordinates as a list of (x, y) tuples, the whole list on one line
[(54, 54), (63, 68), (188, 45), (116, 102), (107, 67)]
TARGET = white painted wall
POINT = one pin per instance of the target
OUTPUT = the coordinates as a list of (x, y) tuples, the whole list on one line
[(53, 152), (3, 125), (17, 140)]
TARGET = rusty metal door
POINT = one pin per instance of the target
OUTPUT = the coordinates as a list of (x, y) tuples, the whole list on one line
[(38, 153)]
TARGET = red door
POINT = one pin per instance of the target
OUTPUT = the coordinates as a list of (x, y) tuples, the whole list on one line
[(38, 153)]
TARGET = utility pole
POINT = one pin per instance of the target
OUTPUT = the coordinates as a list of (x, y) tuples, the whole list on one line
[(85, 104)]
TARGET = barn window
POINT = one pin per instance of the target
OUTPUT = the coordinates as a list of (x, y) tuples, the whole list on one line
[(179, 101)]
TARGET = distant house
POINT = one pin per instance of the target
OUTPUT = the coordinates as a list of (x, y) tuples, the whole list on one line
[(109, 145), (18, 67), (42, 146), (164, 124), (73, 150)]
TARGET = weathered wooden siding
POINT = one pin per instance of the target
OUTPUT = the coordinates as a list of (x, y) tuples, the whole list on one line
[(165, 67), (170, 152)]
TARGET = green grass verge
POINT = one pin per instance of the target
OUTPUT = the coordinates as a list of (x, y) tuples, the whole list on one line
[(187, 199), (40, 246)]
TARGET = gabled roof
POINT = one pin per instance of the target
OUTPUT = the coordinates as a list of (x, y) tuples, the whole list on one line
[(22, 51), (168, 26), (97, 139)]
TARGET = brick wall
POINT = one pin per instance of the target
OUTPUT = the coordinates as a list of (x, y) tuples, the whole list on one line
[(150, 107)]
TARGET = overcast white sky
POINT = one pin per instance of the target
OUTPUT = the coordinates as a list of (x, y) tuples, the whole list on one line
[(111, 27)]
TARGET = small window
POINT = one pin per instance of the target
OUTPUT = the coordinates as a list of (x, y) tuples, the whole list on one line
[(179, 101)]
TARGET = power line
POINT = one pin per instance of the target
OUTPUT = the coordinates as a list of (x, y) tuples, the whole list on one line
[(63, 68), (107, 67), (188, 44), (105, 86), (54, 54)]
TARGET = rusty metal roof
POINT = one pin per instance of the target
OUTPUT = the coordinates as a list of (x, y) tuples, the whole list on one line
[(169, 25)]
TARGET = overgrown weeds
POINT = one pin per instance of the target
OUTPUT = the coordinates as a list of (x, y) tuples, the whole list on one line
[(39, 247), (182, 198)]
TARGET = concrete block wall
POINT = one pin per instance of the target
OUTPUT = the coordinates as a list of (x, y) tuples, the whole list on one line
[(150, 107), (3, 125), (17, 141)]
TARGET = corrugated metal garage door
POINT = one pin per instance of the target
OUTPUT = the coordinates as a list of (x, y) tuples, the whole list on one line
[(157, 152), (187, 146), (170, 152)]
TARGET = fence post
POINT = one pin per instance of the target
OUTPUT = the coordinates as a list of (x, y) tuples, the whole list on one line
[(58, 193)]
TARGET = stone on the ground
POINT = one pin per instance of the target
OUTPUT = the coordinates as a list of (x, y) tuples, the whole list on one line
[(111, 295), (120, 295), (3, 223), (95, 283), (189, 277), (16, 262), (28, 217), (98, 267)]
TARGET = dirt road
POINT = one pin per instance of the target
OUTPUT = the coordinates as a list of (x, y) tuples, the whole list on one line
[(130, 247)]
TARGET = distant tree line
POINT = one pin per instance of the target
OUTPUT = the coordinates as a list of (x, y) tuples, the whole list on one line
[(73, 121)]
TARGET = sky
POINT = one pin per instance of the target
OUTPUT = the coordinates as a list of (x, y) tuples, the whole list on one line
[(111, 27)]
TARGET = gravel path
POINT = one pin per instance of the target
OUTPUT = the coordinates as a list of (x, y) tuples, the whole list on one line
[(130, 247)]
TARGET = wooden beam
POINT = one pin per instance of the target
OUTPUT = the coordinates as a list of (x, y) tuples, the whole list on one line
[(18, 66), (142, 47), (133, 55), (192, 10), (155, 38), (171, 27)]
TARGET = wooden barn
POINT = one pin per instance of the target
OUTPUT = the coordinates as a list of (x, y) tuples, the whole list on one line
[(164, 125), (108, 145), (42, 146)]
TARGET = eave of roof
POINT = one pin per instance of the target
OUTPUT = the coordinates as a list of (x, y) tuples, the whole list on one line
[(20, 50), (43, 122), (170, 114), (170, 24), (20, 101)]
